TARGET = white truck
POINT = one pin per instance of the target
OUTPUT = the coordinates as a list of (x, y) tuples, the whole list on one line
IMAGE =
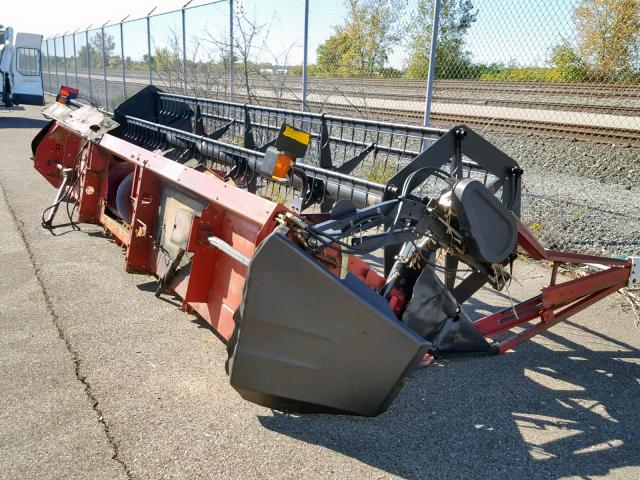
[(20, 68)]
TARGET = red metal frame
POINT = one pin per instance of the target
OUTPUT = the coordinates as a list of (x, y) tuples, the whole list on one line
[(213, 285), (575, 295)]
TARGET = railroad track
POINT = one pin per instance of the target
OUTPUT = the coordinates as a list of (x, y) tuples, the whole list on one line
[(550, 129), (626, 137), (416, 88), (403, 94), (500, 85), (626, 110), (542, 88), (582, 107), (400, 91)]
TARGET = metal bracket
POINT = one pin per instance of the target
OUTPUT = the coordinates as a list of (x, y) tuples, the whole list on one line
[(87, 121), (270, 143), (634, 277), (198, 126), (325, 146), (351, 164), (227, 249), (216, 134), (249, 141), (164, 281)]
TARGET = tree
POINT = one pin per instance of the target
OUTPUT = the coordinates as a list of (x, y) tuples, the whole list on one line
[(452, 61), (95, 50), (245, 43), (360, 47), (607, 33), (82, 56), (567, 64), (167, 66)]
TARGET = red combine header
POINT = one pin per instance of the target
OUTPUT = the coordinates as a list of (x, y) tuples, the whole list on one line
[(268, 224)]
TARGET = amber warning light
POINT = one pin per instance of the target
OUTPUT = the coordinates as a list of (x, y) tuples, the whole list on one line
[(291, 143), (67, 94)]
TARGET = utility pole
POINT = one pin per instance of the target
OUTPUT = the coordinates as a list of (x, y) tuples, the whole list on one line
[(432, 62), (305, 60)]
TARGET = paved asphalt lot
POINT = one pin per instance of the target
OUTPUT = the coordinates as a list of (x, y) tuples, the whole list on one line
[(98, 379)]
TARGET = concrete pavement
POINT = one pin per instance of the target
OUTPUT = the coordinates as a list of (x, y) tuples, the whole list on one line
[(99, 379)]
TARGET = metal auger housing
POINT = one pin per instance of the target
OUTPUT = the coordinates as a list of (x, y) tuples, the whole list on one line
[(265, 221)]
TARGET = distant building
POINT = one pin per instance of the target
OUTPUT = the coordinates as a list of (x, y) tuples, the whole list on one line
[(275, 70)]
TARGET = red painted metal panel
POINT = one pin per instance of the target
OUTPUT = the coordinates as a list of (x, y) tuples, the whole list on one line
[(212, 284), (93, 184), (59, 148)]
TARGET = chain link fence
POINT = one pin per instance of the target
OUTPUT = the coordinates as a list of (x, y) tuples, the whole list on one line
[(556, 85), (562, 65)]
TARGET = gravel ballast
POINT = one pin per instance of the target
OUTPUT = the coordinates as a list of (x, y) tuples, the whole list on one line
[(577, 195)]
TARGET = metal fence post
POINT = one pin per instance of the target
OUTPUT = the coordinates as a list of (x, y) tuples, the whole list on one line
[(75, 59), (64, 58), (149, 45), (432, 62), (122, 62), (232, 73), (52, 88), (48, 68), (55, 56), (104, 67), (184, 46), (86, 39), (305, 72)]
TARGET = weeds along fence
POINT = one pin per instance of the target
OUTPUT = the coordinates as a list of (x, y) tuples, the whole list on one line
[(543, 80)]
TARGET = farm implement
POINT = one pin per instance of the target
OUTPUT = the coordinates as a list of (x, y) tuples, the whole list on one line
[(332, 255)]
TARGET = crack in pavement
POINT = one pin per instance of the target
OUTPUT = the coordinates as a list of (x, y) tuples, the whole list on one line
[(61, 334)]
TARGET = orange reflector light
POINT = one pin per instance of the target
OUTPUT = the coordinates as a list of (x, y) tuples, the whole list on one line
[(67, 93), (282, 165)]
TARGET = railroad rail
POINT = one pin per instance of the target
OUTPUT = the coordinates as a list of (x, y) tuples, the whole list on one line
[(407, 86), (352, 105), (418, 87), (625, 137)]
